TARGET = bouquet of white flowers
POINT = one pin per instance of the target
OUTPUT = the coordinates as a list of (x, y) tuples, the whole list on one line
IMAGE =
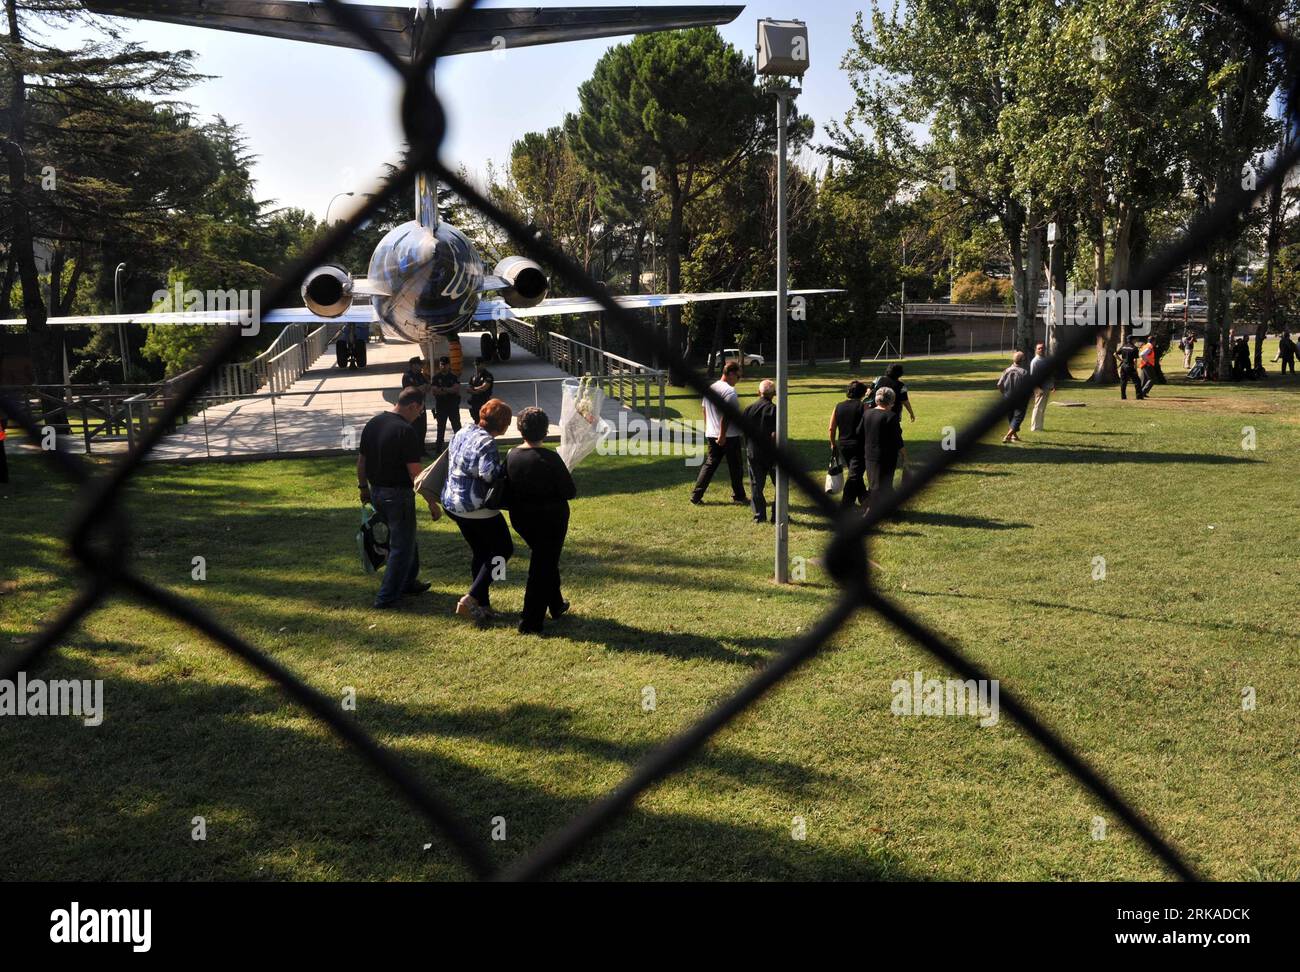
[(581, 426)]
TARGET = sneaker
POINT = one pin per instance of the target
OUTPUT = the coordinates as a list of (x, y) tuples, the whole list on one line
[(419, 587), (529, 629), (556, 612), (740, 499), (467, 607), (697, 500)]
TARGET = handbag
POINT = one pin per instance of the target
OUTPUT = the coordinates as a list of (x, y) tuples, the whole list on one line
[(498, 494), (430, 482), (372, 539), (834, 475)]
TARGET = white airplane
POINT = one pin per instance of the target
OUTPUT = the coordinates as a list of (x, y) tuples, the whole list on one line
[(426, 280)]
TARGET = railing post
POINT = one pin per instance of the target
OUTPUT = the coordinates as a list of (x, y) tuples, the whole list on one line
[(275, 426)]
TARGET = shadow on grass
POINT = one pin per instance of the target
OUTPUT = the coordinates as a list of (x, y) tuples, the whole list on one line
[(616, 636), (281, 799), (1141, 619)]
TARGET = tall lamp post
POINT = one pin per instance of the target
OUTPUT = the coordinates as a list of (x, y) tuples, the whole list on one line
[(123, 347), (331, 203), (782, 52)]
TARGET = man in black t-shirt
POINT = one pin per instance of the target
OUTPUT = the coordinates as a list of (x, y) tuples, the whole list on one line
[(893, 380), (846, 442), (446, 401), (387, 464), (763, 414)]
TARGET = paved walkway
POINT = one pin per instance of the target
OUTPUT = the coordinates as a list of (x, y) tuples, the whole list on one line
[(326, 408)]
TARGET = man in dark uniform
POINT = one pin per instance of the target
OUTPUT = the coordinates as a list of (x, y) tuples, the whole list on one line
[(763, 414), (480, 389), (846, 442), (1127, 357), (415, 377), (446, 401)]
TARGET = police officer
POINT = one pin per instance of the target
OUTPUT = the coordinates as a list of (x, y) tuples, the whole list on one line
[(1127, 356)]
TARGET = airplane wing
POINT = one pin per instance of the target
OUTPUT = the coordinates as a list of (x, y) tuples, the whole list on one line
[(497, 309), (358, 313), (404, 28)]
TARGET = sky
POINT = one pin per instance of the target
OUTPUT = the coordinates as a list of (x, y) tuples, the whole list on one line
[(324, 120)]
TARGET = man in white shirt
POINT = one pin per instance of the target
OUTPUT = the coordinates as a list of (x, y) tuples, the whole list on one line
[(1043, 393), (724, 438)]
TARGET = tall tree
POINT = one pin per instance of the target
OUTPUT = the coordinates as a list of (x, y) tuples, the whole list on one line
[(60, 132), (673, 112)]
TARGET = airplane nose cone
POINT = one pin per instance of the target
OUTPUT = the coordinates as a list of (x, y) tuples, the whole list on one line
[(434, 276)]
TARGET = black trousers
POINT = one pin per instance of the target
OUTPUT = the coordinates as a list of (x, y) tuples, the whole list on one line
[(1124, 378), (474, 404), (880, 478), (855, 487), (1288, 363), (759, 474), (421, 426), (4, 463), (714, 459), (544, 531), (446, 411), (488, 540)]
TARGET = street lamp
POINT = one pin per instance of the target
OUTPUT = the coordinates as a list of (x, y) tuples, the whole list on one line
[(782, 52), (331, 203), (123, 348)]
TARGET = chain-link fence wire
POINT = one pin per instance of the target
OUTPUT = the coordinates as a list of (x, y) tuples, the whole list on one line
[(100, 534)]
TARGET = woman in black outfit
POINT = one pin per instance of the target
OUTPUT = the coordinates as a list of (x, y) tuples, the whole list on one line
[(540, 490), (846, 440)]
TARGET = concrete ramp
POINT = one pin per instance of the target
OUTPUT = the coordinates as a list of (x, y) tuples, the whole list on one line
[(326, 408)]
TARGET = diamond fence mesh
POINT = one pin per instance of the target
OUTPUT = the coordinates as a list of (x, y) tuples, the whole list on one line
[(100, 529)]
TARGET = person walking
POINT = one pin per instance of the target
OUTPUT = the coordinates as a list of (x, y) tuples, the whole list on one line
[(1007, 385), (446, 401), (1148, 362), (417, 377), (473, 465), (387, 463), (1188, 344), (540, 490), (893, 380), (723, 437), (846, 442), (480, 388), (1127, 358), (882, 445), (762, 414), (1286, 353), (1044, 391)]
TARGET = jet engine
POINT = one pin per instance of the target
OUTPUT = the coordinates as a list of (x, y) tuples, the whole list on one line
[(327, 291), (528, 283)]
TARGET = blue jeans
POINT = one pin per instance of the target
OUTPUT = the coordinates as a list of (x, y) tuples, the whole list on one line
[(397, 507)]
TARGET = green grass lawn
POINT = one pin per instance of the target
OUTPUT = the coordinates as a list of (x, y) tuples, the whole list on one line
[(1143, 671)]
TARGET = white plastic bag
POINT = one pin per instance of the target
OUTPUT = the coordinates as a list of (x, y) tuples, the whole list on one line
[(581, 426)]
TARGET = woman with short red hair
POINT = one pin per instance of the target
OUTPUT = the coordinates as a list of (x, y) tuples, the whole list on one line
[(473, 465)]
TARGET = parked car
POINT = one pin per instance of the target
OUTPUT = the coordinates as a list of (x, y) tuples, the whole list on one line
[(750, 359)]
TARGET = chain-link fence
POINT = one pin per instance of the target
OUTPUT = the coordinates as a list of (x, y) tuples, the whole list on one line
[(100, 528)]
